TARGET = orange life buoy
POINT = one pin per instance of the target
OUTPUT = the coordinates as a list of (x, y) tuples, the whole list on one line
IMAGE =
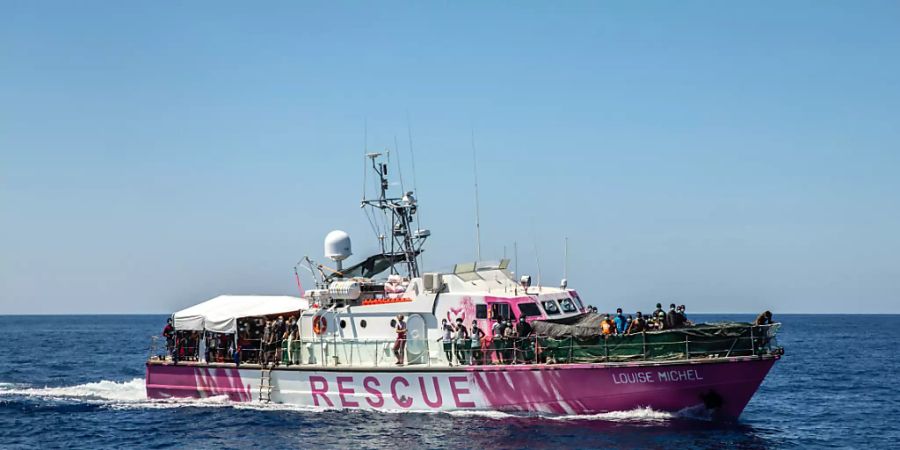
[(319, 324)]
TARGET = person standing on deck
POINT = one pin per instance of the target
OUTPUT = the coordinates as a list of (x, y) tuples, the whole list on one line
[(462, 342), (447, 340), (673, 321), (764, 319), (638, 325), (497, 340), (400, 343), (621, 322), (266, 342), (477, 340), (607, 326), (659, 316), (169, 334), (523, 330), (509, 338)]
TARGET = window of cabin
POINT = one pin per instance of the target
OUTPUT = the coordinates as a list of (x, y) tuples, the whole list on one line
[(567, 305), (578, 301), (481, 311), (501, 311), (551, 307), (529, 309)]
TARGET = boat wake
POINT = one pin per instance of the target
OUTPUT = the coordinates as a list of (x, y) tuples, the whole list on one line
[(132, 395), (102, 391)]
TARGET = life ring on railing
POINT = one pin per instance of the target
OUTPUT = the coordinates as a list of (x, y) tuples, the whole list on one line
[(320, 324)]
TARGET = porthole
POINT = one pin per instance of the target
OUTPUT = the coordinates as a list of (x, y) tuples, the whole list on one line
[(343, 323), (362, 323), (393, 323)]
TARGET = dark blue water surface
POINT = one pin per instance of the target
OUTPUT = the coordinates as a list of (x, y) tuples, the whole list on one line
[(77, 382)]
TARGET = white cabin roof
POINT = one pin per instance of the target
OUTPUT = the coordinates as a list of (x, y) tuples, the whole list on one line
[(220, 314)]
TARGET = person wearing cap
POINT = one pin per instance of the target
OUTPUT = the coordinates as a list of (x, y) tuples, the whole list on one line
[(400, 342)]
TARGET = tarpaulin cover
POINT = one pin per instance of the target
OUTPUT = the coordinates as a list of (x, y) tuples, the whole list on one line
[(581, 341), (221, 313)]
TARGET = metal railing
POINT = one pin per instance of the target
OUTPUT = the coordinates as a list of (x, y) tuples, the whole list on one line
[(329, 352)]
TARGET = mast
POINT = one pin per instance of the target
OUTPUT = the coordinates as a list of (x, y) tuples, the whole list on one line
[(477, 217), (403, 241)]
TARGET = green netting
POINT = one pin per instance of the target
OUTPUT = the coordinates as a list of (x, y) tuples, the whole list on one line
[(707, 340)]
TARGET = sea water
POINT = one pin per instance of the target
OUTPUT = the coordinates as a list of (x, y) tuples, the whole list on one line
[(77, 382)]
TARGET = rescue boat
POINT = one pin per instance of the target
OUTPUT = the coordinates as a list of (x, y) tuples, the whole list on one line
[(342, 353)]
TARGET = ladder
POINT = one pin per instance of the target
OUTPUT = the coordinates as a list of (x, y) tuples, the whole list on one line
[(265, 384)]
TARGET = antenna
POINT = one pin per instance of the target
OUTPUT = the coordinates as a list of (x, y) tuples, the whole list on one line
[(537, 258), (477, 218), (399, 166), (412, 156), (516, 257), (566, 259), (365, 152)]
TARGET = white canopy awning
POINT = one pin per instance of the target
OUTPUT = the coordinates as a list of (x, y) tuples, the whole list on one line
[(221, 313)]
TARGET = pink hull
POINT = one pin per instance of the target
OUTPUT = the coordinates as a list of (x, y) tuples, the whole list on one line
[(724, 385)]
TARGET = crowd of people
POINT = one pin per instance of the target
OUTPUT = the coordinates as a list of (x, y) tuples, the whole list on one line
[(260, 340), (470, 345), (269, 341), (620, 324)]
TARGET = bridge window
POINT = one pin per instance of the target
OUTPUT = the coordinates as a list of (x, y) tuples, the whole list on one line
[(567, 305), (481, 311), (529, 309), (551, 307), (501, 311)]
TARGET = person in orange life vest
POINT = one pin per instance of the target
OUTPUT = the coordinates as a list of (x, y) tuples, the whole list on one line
[(400, 343)]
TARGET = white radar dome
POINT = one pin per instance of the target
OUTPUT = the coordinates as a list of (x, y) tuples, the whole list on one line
[(337, 245)]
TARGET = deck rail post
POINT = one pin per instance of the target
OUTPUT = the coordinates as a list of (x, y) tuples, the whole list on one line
[(752, 342), (644, 344), (606, 348)]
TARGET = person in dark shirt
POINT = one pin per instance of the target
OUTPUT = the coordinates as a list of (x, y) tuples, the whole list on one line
[(523, 329), (462, 342), (659, 316), (683, 317), (268, 336), (169, 334), (764, 319), (672, 319)]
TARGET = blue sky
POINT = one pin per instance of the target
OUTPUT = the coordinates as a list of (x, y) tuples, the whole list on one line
[(732, 157)]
